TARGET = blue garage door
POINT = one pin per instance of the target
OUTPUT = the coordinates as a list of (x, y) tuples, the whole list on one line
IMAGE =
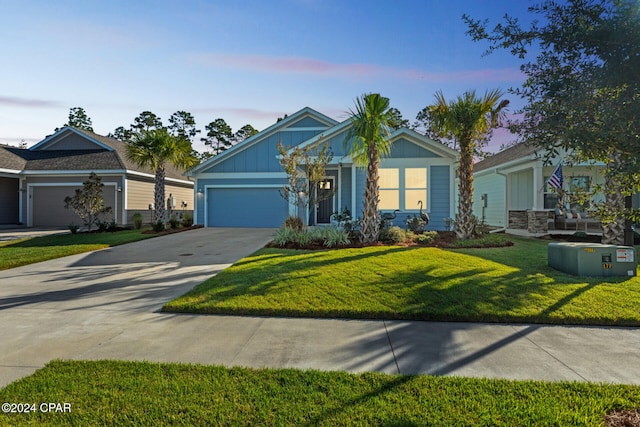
[(245, 207)]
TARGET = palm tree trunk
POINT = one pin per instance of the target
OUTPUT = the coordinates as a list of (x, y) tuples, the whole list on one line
[(613, 220), (464, 222), (370, 222), (159, 195)]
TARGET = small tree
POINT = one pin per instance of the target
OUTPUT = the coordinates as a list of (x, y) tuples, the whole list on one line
[(305, 169), (88, 202)]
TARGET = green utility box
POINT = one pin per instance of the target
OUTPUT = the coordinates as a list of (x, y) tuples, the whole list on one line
[(592, 259)]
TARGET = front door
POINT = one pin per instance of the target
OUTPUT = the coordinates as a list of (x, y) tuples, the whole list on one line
[(325, 207)]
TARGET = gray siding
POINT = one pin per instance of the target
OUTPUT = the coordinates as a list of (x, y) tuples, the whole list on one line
[(73, 142)]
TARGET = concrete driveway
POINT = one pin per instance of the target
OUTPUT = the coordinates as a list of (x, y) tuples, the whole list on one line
[(104, 305), (77, 305)]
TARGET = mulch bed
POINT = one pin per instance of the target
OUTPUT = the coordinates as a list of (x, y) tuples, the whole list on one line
[(623, 419), (172, 230), (589, 238), (443, 240)]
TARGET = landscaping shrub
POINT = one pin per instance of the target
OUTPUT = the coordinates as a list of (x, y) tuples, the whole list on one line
[(304, 237), (284, 236), (425, 238), (312, 237), (294, 223), (334, 236), (137, 220), (393, 235), (158, 226), (174, 221), (187, 220), (73, 228)]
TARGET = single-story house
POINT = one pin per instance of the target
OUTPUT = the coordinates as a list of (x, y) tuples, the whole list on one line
[(241, 187), (35, 181), (510, 186)]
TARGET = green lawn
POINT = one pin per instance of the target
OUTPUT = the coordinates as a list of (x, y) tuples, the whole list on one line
[(511, 284), (15, 253), (109, 393)]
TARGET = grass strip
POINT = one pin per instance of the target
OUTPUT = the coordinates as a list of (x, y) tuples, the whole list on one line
[(509, 284), (110, 393), (16, 253)]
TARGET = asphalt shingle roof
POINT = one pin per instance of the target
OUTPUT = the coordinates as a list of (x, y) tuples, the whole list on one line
[(515, 152), (14, 158)]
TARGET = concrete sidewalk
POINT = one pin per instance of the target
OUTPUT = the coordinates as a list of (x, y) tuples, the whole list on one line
[(104, 305)]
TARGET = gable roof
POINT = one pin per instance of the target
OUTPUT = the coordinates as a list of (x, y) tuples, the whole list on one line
[(282, 124), (425, 141), (108, 154), (521, 151), (415, 137)]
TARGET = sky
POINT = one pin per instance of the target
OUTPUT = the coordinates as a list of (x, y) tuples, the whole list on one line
[(244, 61)]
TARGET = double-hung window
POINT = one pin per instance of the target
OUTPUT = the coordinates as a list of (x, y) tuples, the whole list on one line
[(402, 188)]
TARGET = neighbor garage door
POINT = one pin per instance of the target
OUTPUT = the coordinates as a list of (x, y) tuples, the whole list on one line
[(245, 207), (48, 205)]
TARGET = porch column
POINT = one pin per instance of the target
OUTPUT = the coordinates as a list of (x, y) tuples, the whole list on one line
[(538, 188)]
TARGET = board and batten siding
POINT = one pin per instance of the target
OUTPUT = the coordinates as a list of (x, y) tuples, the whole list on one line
[(263, 155), (73, 141), (140, 194), (521, 190), (440, 197), (494, 186)]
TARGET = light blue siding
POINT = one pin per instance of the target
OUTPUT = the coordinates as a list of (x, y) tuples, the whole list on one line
[(262, 156), (345, 191), (336, 144), (245, 207), (307, 122), (494, 186), (404, 149), (521, 192), (440, 197)]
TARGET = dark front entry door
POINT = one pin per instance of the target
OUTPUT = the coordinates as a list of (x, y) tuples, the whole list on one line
[(325, 207)]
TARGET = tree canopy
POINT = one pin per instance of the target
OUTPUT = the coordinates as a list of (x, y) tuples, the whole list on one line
[(79, 119), (367, 141), (583, 86), (467, 120)]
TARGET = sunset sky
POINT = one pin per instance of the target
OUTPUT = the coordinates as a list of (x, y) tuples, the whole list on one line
[(244, 61)]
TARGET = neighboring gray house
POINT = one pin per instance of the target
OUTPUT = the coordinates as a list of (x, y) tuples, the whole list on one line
[(35, 181), (512, 182), (241, 186)]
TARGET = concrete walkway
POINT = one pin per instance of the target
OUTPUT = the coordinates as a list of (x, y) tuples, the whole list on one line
[(104, 305)]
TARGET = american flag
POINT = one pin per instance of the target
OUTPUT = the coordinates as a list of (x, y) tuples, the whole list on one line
[(556, 180)]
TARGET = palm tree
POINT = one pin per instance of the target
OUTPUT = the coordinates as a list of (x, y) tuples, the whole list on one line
[(156, 148), (368, 137), (468, 121)]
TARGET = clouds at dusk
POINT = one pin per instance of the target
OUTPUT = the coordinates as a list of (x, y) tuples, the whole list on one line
[(320, 68)]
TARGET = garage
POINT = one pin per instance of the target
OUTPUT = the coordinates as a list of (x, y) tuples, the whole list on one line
[(245, 207), (10, 197), (48, 205)]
